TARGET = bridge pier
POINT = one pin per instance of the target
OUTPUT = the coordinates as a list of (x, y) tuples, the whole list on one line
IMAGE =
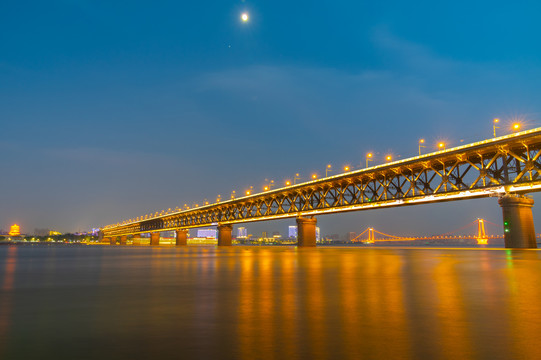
[(224, 235), (306, 232), (136, 239), (519, 231), (182, 237), (155, 238), (113, 240), (123, 240)]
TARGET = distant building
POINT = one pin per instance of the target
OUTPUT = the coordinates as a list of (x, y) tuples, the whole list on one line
[(351, 235), (242, 233), (292, 232), (15, 230), (53, 233), (264, 234), (276, 233), (206, 233)]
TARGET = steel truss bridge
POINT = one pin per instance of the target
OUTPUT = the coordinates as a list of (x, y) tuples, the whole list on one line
[(508, 164)]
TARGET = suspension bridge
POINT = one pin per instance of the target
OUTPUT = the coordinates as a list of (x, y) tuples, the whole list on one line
[(369, 235)]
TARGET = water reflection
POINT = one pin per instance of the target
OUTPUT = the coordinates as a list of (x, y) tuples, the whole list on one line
[(269, 303)]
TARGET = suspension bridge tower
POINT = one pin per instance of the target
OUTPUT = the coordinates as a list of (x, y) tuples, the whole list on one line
[(482, 238)]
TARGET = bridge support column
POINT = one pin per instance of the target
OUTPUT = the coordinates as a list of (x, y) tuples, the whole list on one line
[(182, 237), (136, 239), (519, 231), (106, 240), (123, 240), (155, 238), (113, 240), (224, 235), (306, 232)]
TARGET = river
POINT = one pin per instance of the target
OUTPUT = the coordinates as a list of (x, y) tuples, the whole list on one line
[(249, 302)]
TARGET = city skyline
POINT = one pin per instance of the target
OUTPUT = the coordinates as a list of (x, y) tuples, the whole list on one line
[(136, 109)]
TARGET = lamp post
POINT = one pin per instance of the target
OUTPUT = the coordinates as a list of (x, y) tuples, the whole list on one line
[(494, 127), (389, 158), (441, 146), (232, 194), (296, 177), (516, 127), (328, 169), (314, 176), (368, 158), (346, 168), (421, 141)]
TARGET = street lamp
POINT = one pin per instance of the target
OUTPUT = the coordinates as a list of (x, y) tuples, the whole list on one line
[(232, 194), (516, 127), (494, 127), (441, 146), (421, 141), (389, 157), (346, 168), (369, 158), (288, 182), (218, 198), (269, 185), (327, 169), (296, 177), (314, 176)]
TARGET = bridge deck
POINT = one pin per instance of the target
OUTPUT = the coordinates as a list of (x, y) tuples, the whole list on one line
[(507, 164)]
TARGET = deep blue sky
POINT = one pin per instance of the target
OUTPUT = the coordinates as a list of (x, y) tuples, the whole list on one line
[(110, 111)]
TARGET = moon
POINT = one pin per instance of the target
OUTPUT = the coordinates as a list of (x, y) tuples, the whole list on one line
[(244, 17)]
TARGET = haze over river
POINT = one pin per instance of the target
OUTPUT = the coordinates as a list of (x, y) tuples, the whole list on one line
[(203, 302)]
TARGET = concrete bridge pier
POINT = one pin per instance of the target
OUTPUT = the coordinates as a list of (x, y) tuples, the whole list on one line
[(123, 240), (136, 239), (155, 238), (306, 232), (518, 226), (106, 240), (182, 237), (224, 235)]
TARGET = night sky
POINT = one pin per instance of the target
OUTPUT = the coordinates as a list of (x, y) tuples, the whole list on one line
[(111, 110)]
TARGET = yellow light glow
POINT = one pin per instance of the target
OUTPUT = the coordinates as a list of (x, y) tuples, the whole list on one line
[(388, 158), (314, 176), (244, 17), (346, 168), (247, 192), (329, 166), (15, 230), (422, 141), (496, 120), (516, 127), (288, 183), (441, 145)]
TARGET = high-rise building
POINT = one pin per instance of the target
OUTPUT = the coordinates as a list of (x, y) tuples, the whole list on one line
[(242, 233), (206, 233), (292, 232), (318, 237)]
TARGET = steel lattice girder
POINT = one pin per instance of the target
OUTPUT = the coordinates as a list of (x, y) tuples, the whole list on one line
[(507, 164)]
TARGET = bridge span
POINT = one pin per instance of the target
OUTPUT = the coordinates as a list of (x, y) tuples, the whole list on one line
[(506, 167)]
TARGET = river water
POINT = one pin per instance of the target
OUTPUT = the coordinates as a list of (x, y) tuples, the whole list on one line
[(204, 302)]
